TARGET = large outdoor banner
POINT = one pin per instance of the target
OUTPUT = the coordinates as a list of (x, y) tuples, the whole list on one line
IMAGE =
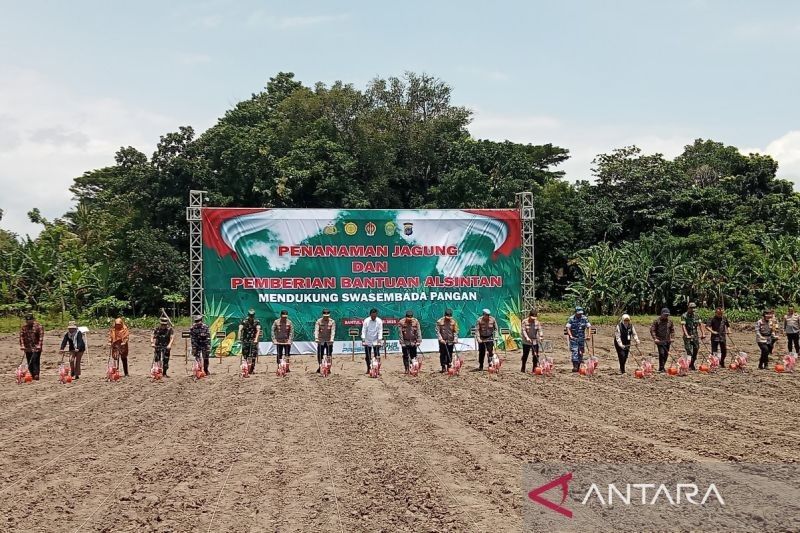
[(349, 261)]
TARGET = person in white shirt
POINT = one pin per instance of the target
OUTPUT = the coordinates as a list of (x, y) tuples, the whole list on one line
[(624, 335), (371, 336), (791, 327)]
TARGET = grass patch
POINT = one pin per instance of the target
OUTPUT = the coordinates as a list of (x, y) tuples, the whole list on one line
[(11, 324)]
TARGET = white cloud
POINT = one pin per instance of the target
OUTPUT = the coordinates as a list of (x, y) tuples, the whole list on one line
[(59, 136), (516, 128), (583, 141), (263, 18), (786, 151), (50, 134)]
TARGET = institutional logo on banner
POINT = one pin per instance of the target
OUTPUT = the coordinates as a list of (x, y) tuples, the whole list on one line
[(370, 228), (350, 228), (390, 228), (330, 229), (408, 228)]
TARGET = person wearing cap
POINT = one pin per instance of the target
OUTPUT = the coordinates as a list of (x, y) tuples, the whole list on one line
[(200, 336), (282, 336), (447, 333), (662, 331), (324, 335), (371, 336), (531, 335), (718, 326), (161, 342), (118, 337), (624, 335), (578, 332), (410, 338), (693, 332), (765, 338), (74, 343), (249, 335), (485, 331), (31, 337), (773, 324)]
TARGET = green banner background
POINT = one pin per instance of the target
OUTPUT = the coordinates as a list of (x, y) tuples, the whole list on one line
[(240, 243)]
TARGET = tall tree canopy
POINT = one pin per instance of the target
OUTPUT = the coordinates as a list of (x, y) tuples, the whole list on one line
[(712, 224), (399, 143)]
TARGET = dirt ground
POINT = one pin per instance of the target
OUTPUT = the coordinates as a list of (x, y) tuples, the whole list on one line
[(350, 453)]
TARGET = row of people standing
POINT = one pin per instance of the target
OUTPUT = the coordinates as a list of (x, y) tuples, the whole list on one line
[(410, 337), (577, 329), (694, 331)]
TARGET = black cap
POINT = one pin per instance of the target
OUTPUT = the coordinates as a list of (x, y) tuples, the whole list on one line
[(284, 313), (532, 312), (326, 311), (448, 312), (409, 313), (28, 316), (251, 312), (373, 310)]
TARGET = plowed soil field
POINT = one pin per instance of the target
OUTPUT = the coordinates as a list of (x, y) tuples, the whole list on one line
[(430, 453)]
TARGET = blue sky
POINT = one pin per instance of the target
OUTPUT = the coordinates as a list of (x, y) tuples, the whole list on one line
[(80, 79)]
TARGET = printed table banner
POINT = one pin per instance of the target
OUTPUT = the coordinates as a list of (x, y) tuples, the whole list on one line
[(349, 261)]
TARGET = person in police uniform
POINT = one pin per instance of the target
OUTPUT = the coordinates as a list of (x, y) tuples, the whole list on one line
[(531, 335), (324, 334), (282, 336), (249, 335), (447, 333), (485, 330), (410, 338), (200, 336)]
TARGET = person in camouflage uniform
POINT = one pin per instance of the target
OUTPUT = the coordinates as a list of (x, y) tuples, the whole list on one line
[(249, 335), (161, 340), (579, 330), (31, 336), (201, 341), (693, 331)]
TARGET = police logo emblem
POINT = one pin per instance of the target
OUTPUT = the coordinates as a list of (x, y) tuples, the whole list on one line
[(351, 228), (408, 228)]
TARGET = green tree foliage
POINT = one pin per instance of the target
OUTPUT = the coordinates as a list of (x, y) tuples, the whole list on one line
[(713, 224), (398, 143)]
